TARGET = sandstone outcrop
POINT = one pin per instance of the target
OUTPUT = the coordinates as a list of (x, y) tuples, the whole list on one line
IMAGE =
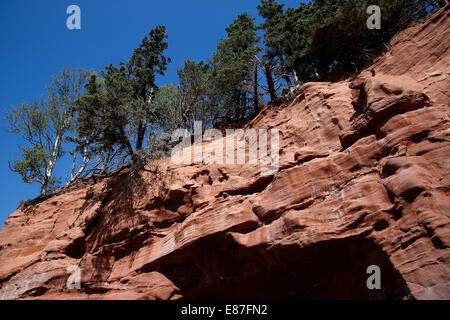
[(363, 179)]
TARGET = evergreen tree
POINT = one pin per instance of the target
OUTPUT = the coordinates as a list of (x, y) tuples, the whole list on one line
[(146, 62), (321, 37), (104, 112), (296, 36), (232, 68), (326, 36), (274, 35)]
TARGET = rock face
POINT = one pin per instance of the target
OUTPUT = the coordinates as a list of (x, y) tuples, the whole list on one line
[(363, 180)]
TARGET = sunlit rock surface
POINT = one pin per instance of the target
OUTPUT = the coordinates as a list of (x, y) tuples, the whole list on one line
[(363, 179)]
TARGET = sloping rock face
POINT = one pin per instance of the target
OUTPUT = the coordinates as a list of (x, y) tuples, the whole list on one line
[(363, 180)]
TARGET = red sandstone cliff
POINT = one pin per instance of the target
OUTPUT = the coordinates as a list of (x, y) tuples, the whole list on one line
[(363, 180)]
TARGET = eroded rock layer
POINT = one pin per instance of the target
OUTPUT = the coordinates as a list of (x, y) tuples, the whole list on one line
[(363, 180)]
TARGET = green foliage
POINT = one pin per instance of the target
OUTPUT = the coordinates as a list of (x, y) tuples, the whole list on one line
[(339, 35), (178, 106), (167, 108), (45, 126), (118, 110), (273, 15), (104, 111), (232, 69), (274, 35), (146, 62), (194, 90), (321, 37), (297, 41), (31, 122)]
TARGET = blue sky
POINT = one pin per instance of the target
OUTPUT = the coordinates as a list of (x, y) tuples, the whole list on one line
[(36, 44)]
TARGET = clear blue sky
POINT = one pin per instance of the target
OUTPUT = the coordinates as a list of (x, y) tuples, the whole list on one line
[(36, 44)]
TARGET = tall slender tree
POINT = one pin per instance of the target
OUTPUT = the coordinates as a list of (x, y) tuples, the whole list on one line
[(232, 68), (274, 35), (146, 62)]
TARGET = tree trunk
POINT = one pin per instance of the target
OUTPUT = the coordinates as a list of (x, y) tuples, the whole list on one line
[(140, 135), (244, 106), (255, 92), (296, 78), (316, 73), (44, 186), (126, 141), (74, 176), (142, 127), (72, 172), (270, 83), (51, 164), (237, 98), (106, 162), (283, 70)]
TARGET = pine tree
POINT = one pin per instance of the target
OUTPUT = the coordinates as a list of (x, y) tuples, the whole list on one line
[(146, 62), (104, 111), (232, 68), (323, 37), (274, 35)]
